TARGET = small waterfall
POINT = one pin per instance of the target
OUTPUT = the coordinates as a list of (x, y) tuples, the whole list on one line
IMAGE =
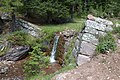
[(52, 57)]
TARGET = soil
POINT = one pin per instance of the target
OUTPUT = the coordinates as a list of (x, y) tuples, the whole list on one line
[(101, 67), (15, 71), (51, 69)]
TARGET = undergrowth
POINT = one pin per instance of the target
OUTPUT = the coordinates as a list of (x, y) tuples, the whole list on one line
[(106, 43), (37, 61)]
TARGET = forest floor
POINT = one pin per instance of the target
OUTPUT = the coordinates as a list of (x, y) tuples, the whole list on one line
[(101, 67)]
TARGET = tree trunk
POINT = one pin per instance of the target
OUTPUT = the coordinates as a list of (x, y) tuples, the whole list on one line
[(1, 25), (71, 11), (13, 24)]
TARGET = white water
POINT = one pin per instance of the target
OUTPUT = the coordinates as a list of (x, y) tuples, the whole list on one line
[(52, 57)]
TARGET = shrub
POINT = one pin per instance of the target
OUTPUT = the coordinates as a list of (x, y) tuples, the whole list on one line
[(37, 60), (106, 43)]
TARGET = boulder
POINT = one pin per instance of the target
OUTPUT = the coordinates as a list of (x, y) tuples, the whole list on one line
[(28, 27), (16, 53), (81, 59), (90, 38), (95, 25), (87, 48)]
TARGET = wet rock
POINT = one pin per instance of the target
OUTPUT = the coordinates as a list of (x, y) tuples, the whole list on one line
[(81, 59), (16, 53)]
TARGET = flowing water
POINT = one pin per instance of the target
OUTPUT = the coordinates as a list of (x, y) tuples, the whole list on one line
[(52, 57)]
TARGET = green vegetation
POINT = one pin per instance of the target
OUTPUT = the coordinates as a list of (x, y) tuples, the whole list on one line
[(48, 77), (33, 66), (37, 61), (11, 7), (21, 38), (106, 43), (55, 12), (51, 29), (116, 30)]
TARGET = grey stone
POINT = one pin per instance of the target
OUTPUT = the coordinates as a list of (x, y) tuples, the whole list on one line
[(91, 30), (16, 53), (28, 27), (81, 59), (4, 69), (87, 39), (4, 66), (79, 36), (103, 21), (108, 28), (95, 25), (68, 33), (74, 52), (87, 48), (100, 33), (77, 44), (90, 38)]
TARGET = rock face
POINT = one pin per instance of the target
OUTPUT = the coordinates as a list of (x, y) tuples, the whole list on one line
[(87, 39), (15, 53), (28, 27)]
